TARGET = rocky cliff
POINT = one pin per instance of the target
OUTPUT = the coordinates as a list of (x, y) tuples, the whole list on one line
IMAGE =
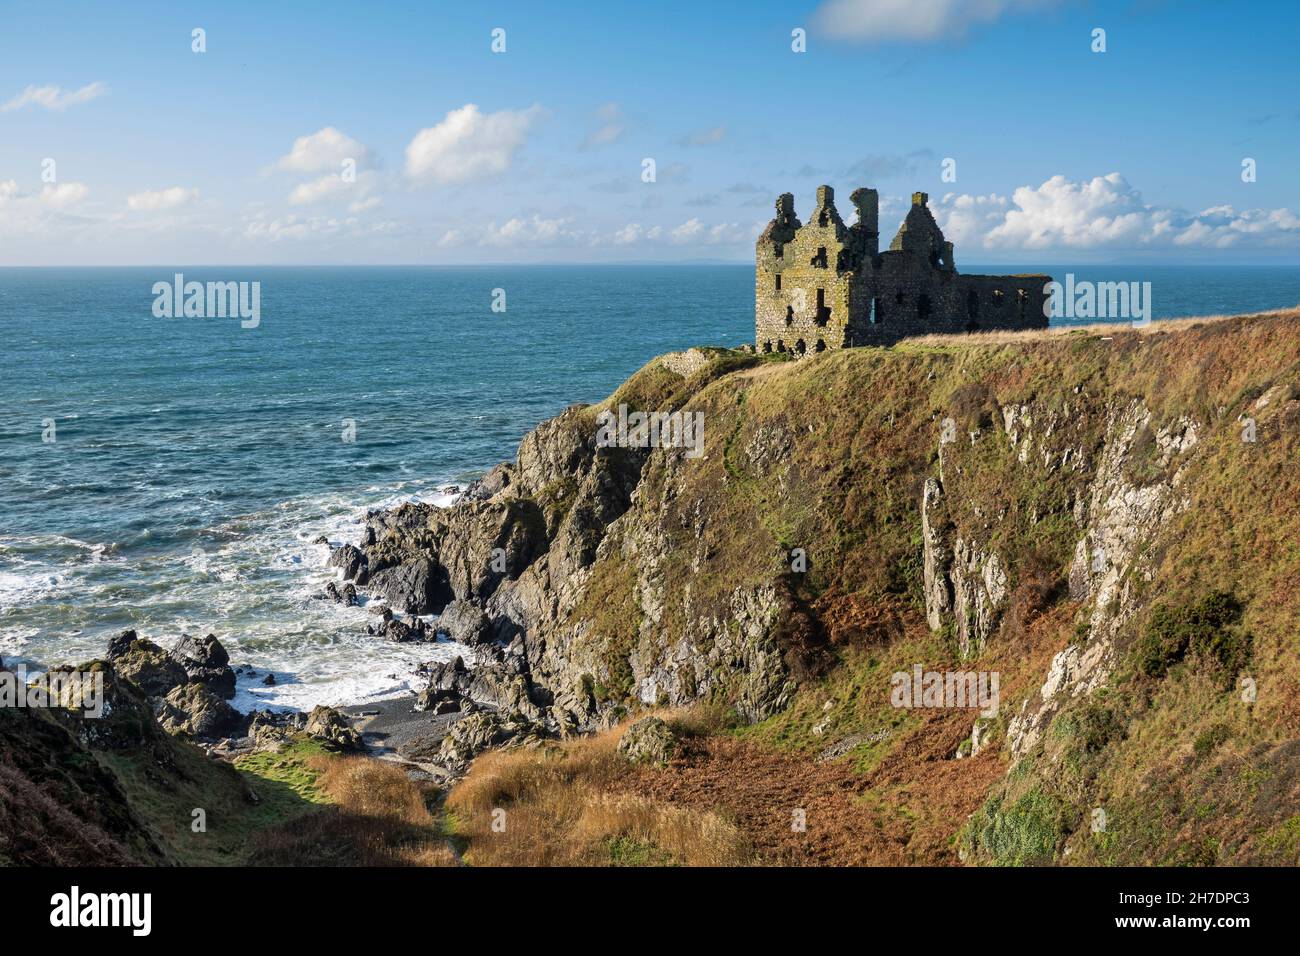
[(1057, 508)]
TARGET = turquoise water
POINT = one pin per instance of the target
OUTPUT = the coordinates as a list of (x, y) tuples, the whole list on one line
[(194, 460)]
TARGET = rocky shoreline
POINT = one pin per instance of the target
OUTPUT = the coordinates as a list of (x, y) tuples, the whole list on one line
[(501, 568)]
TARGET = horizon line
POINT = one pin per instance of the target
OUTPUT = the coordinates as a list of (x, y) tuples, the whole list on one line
[(606, 264)]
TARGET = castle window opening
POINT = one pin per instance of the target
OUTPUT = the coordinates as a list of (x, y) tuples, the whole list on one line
[(800, 347), (821, 345), (789, 315), (923, 306), (823, 313), (778, 282), (973, 305), (899, 297), (780, 345), (767, 346)]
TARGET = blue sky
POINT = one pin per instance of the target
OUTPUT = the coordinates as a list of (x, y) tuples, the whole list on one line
[(462, 155)]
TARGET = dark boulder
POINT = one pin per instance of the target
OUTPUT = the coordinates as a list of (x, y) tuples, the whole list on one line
[(464, 621), (350, 559), (148, 666), (194, 709), (409, 586), (206, 662)]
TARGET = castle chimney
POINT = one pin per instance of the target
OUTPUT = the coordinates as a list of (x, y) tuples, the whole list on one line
[(920, 199), (867, 202), (785, 207)]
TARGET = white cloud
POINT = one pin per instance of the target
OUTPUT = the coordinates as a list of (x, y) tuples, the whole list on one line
[(156, 200), (689, 231), (611, 127), (537, 231), (50, 197), (294, 227), (469, 144), (332, 187), (63, 195), (323, 151), (912, 20), (327, 187), (705, 137), (49, 213), (53, 97), (1104, 212), (629, 234)]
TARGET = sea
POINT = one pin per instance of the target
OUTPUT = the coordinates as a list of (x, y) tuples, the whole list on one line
[(170, 475)]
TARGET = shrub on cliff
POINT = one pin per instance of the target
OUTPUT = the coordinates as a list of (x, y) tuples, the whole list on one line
[(1206, 631)]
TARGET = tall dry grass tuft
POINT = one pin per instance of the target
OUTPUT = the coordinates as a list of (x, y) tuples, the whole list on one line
[(373, 788), (377, 817), (559, 811)]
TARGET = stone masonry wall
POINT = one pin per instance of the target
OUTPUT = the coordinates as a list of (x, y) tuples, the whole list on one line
[(823, 285)]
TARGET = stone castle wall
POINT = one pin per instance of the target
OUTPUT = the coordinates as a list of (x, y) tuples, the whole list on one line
[(824, 285)]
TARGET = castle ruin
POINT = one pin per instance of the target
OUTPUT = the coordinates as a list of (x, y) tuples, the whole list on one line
[(825, 285)]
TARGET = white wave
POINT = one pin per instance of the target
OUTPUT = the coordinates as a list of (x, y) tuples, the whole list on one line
[(22, 588), (253, 580)]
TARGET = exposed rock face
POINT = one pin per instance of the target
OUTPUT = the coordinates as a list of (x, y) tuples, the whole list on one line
[(146, 665), (1125, 487), (187, 687), (1117, 517), (491, 484), (194, 709), (400, 631), (351, 561), (327, 724), (408, 586), (206, 662), (498, 681), (649, 740), (963, 582), (519, 557), (464, 621)]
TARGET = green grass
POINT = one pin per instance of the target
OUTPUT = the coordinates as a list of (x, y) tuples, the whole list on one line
[(282, 781), (625, 851), (1026, 833)]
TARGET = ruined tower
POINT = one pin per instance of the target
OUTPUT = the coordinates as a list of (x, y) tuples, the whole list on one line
[(824, 285)]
